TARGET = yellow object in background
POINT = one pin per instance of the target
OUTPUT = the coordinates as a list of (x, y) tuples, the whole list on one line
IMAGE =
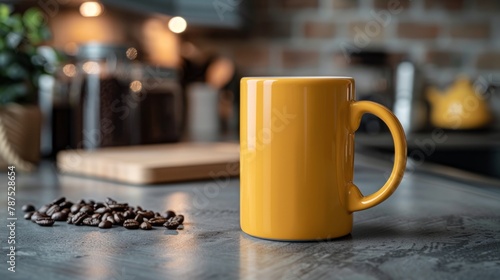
[(458, 107), (297, 155)]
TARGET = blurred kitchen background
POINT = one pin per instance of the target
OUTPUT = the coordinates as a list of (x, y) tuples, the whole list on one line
[(127, 72)]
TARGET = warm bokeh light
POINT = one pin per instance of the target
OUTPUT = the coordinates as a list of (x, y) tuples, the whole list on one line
[(69, 70), (90, 9), (177, 24), (161, 44), (136, 86), (91, 67), (131, 53), (220, 72)]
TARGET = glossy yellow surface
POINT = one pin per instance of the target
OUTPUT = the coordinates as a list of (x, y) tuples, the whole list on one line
[(297, 153), (459, 107)]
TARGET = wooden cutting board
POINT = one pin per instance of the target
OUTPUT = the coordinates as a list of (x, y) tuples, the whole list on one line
[(154, 163)]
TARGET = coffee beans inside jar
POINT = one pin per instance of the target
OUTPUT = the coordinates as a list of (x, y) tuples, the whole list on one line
[(107, 214)]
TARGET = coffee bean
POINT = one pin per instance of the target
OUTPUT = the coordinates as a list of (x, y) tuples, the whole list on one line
[(45, 221), (28, 215), (94, 222), (157, 221), (117, 207), (91, 222), (102, 210), (37, 215), (53, 209), (146, 214), (119, 219), (76, 208), (98, 205), (105, 224), (59, 216), (109, 200), (78, 218), (129, 214), (86, 221), (44, 208), (169, 214), (65, 204), (87, 209), (131, 224), (146, 226), (171, 225), (139, 218), (105, 216), (59, 200), (28, 208), (178, 218)]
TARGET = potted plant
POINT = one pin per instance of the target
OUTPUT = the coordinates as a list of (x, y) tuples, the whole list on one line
[(21, 65)]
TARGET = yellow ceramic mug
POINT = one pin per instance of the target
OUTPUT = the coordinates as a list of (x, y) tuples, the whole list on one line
[(297, 153)]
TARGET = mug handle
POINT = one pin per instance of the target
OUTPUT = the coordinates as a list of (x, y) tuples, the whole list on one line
[(355, 200)]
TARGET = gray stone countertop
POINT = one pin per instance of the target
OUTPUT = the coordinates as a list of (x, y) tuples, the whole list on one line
[(433, 227)]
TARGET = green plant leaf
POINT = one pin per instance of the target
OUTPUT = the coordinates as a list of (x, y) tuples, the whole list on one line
[(34, 37), (38, 36), (20, 64), (33, 19), (45, 33), (6, 58), (16, 23), (16, 71), (13, 39), (28, 49), (38, 60), (4, 12)]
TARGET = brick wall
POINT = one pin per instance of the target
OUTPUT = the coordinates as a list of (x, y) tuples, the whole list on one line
[(315, 37)]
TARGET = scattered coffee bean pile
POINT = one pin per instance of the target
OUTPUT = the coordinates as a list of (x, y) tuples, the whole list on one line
[(101, 214)]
